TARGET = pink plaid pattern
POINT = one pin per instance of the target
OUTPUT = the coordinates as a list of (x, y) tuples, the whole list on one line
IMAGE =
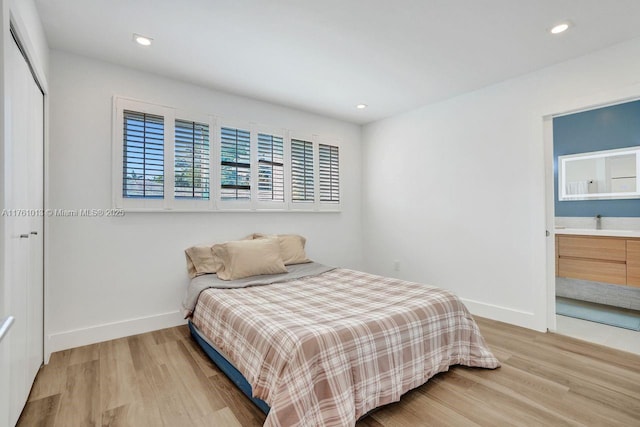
[(324, 350)]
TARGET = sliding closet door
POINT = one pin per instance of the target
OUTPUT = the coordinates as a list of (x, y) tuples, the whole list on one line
[(17, 252), (35, 202), (23, 229)]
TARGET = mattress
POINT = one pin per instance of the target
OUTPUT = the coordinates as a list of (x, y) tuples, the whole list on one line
[(325, 349), (226, 366)]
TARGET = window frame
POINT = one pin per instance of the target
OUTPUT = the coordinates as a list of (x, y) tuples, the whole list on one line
[(233, 204), (119, 201), (271, 204), (316, 205), (320, 205), (169, 203), (311, 205), (193, 204), (330, 206), (143, 152), (186, 146)]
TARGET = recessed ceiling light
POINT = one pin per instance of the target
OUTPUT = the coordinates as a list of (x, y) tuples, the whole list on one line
[(560, 28), (361, 106), (142, 40)]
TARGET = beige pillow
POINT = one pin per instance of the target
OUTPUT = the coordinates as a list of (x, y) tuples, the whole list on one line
[(201, 260), (291, 247), (244, 258), (258, 236)]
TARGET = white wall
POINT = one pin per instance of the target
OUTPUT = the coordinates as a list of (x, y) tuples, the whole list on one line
[(110, 277), (456, 190)]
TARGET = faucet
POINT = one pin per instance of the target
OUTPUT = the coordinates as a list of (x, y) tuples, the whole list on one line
[(598, 222)]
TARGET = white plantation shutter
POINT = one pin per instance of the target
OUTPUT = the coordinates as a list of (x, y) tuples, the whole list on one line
[(191, 160), (235, 161), (302, 179), (270, 168), (329, 169), (143, 155), (165, 160)]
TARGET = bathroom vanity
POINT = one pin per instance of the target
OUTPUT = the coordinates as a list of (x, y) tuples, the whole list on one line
[(607, 256)]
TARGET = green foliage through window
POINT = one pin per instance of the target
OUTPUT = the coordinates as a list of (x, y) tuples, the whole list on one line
[(191, 160)]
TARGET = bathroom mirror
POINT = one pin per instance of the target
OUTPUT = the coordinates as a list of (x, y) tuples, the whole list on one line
[(610, 174)]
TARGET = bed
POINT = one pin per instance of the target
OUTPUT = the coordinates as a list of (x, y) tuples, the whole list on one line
[(322, 346)]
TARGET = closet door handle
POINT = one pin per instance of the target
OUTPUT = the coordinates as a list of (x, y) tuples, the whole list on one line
[(24, 236), (35, 233), (6, 324)]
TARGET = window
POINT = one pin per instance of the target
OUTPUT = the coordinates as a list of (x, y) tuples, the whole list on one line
[(270, 168), (143, 155), (235, 162), (191, 160), (329, 171), (166, 159), (302, 181)]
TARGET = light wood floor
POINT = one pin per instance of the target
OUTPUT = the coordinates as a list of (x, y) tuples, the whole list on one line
[(163, 378)]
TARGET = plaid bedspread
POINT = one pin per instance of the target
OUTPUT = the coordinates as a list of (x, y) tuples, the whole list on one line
[(325, 350)]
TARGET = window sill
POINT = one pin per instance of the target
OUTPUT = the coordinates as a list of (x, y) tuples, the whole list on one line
[(279, 211)]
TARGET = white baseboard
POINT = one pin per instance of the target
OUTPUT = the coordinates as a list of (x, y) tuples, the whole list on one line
[(108, 331), (522, 318)]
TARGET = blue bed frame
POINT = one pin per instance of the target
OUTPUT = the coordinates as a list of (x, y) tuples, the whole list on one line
[(229, 370)]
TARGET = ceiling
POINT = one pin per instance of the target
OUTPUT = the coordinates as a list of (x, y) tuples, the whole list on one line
[(326, 56)]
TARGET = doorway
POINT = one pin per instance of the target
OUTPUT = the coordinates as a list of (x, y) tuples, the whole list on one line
[(590, 253)]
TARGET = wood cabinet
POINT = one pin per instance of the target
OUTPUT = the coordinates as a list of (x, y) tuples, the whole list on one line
[(593, 247), (613, 260), (595, 270), (633, 262)]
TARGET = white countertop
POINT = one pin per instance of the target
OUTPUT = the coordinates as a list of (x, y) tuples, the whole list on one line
[(594, 232)]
